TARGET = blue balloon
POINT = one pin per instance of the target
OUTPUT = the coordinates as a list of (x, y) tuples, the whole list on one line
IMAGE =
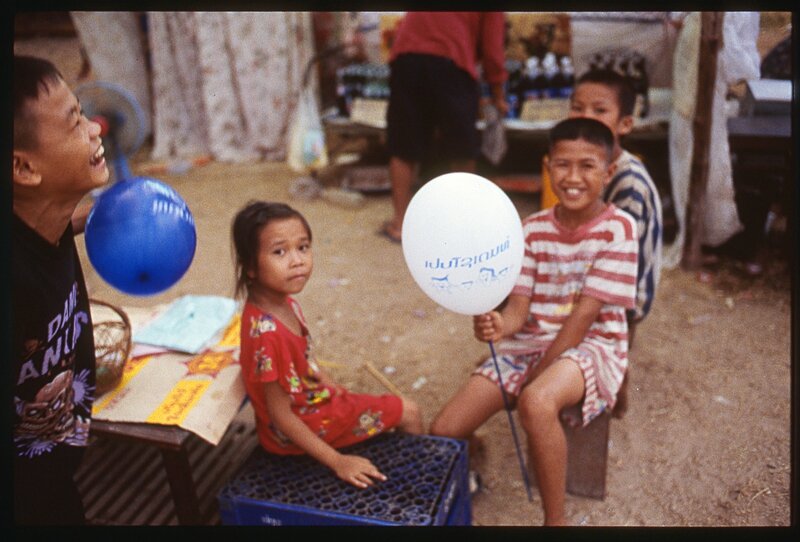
[(140, 236)]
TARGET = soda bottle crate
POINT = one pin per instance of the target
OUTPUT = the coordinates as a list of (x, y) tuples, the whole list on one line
[(427, 485)]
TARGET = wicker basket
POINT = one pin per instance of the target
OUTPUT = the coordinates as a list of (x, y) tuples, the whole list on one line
[(112, 345)]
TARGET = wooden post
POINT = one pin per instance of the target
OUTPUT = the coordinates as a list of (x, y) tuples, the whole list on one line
[(710, 43)]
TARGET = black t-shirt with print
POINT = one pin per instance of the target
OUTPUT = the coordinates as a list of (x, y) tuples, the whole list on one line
[(52, 347)]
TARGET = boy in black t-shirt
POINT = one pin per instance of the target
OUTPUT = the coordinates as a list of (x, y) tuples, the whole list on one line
[(57, 159)]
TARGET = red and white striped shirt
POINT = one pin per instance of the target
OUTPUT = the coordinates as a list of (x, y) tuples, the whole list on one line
[(598, 259)]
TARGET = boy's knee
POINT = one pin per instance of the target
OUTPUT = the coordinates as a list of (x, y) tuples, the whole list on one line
[(439, 428), (535, 405), (445, 426)]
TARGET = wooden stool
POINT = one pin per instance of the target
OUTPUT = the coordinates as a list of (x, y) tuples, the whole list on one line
[(587, 454)]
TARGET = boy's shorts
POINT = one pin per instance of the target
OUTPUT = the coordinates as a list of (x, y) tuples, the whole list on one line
[(515, 369), (429, 92)]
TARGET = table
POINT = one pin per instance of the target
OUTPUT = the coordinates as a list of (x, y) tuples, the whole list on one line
[(758, 133), (141, 474), (368, 118), (526, 139), (761, 147), (171, 441), (165, 398), (655, 127)]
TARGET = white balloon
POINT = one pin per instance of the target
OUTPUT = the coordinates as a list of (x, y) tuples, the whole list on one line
[(463, 242)]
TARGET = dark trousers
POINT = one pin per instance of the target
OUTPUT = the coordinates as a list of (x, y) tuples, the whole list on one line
[(45, 492)]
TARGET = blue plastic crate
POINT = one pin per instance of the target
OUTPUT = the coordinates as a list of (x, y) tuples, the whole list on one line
[(427, 485)]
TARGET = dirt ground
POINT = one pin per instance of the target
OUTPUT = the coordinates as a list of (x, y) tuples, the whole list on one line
[(705, 442)]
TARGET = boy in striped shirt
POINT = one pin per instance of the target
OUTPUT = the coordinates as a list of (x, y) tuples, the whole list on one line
[(564, 323), (607, 96)]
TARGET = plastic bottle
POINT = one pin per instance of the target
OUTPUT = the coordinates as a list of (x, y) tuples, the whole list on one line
[(359, 81), (534, 79), (540, 83), (383, 81), (523, 86), (558, 82), (341, 92), (512, 88), (567, 77), (549, 74), (367, 86)]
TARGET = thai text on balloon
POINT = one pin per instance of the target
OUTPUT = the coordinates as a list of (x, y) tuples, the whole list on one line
[(469, 261)]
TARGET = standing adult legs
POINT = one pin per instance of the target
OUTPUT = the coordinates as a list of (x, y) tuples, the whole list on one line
[(403, 174)]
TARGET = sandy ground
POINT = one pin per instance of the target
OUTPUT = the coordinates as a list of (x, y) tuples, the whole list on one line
[(706, 441)]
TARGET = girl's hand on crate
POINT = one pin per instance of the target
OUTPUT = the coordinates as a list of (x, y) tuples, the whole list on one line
[(357, 470)]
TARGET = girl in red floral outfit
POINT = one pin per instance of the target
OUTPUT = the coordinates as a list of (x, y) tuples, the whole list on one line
[(298, 409)]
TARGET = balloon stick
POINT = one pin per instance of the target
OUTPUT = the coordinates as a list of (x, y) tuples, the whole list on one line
[(511, 423)]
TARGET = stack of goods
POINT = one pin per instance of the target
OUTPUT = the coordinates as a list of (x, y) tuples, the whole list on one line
[(551, 77), (366, 81)]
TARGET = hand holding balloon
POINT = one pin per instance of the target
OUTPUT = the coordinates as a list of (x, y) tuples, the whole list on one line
[(488, 327), (140, 236)]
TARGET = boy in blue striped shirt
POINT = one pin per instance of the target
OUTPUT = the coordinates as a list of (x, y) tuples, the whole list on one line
[(608, 96)]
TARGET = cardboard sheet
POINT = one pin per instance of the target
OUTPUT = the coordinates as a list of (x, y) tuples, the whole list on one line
[(199, 392)]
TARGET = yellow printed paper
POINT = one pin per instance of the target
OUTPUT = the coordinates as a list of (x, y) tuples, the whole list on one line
[(209, 363), (176, 406), (230, 338)]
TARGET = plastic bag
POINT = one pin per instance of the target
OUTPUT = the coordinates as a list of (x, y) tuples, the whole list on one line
[(493, 142), (306, 149)]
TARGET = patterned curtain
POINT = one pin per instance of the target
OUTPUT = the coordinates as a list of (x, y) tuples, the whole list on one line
[(114, 44), (226, 83)]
